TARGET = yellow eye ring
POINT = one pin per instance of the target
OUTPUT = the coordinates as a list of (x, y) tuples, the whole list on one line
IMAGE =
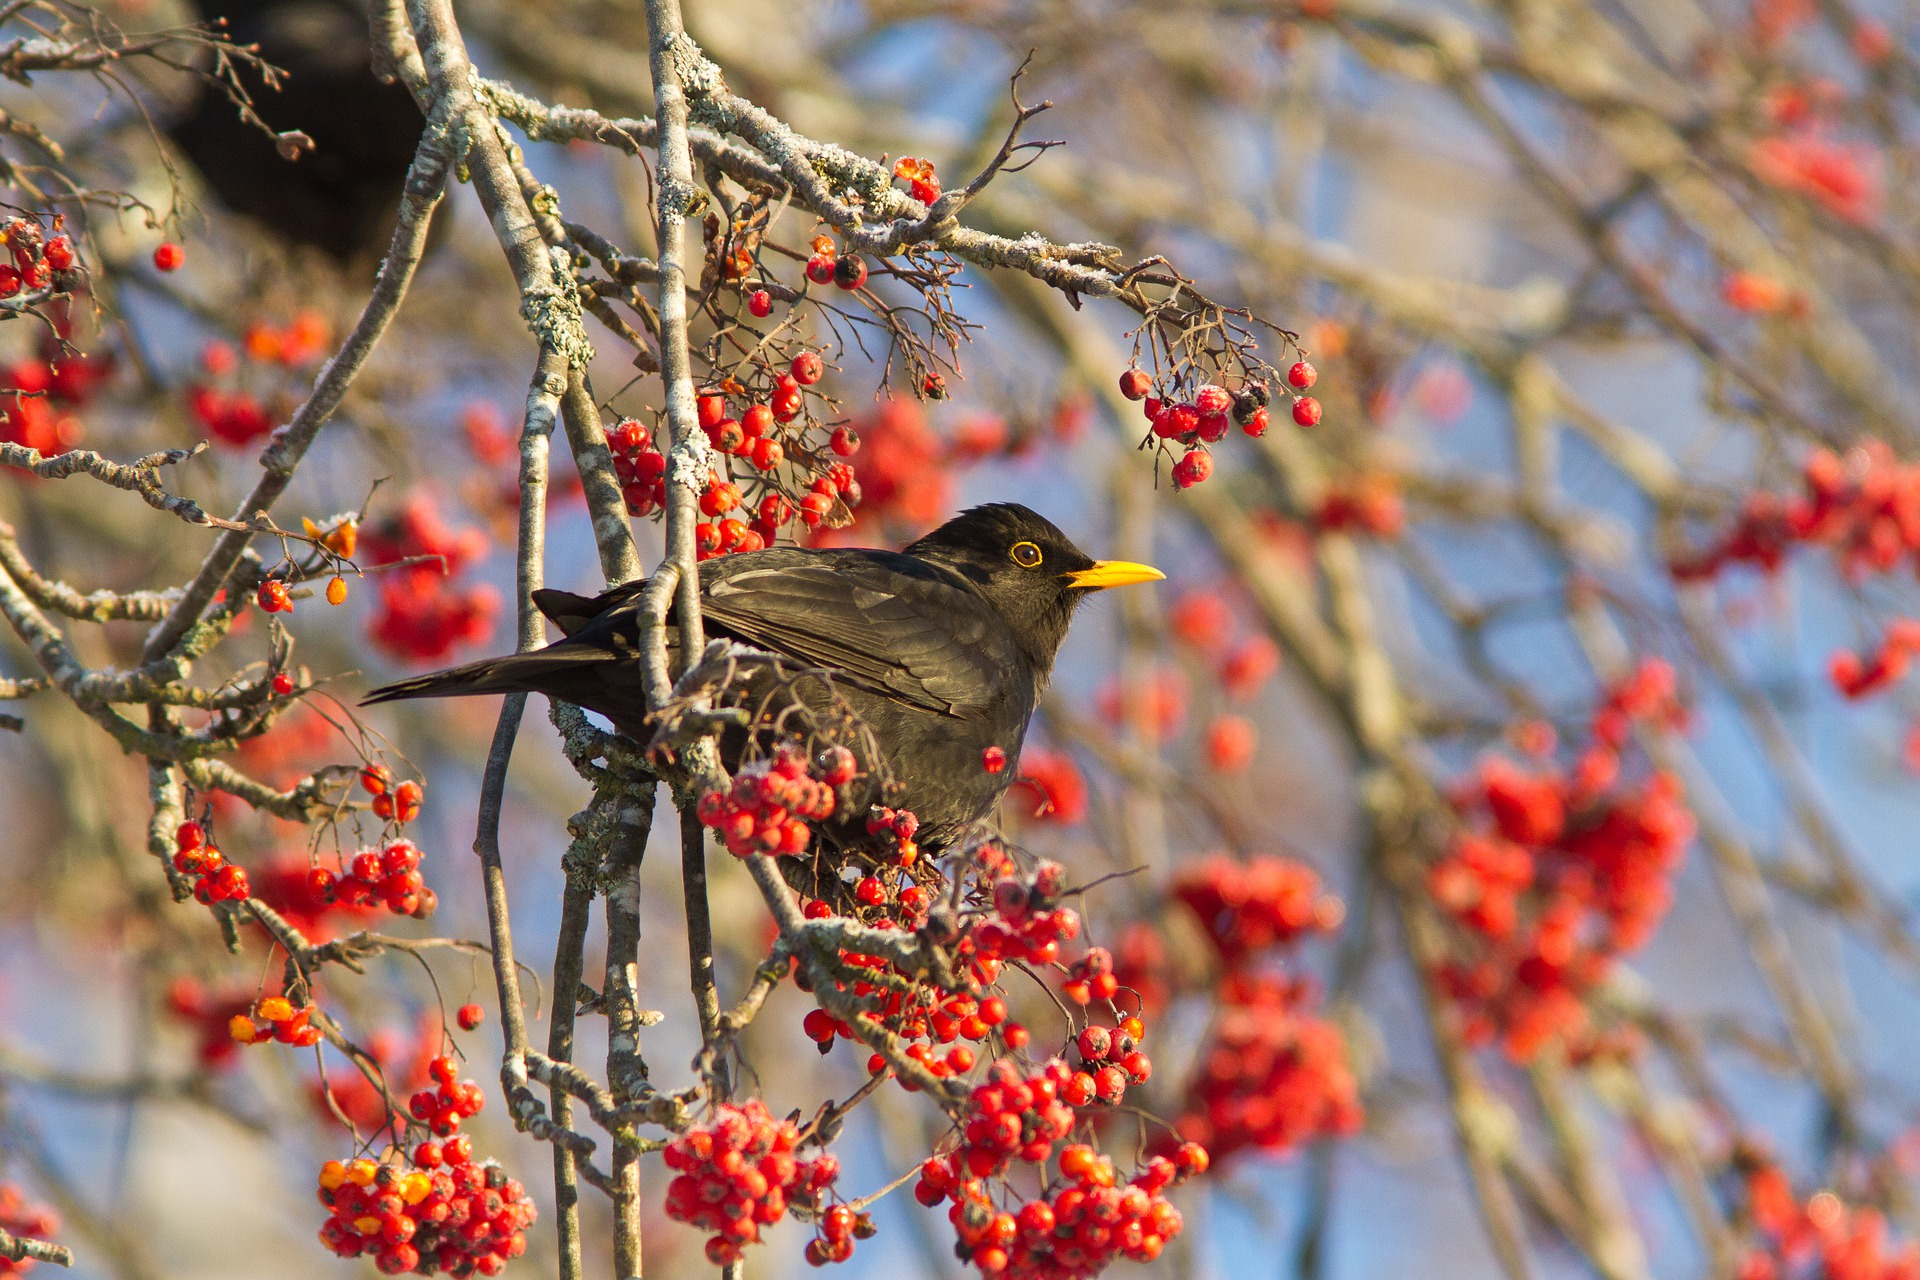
[(1025, 554)]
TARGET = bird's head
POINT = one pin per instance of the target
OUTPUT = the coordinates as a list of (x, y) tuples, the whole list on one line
[(1026, 569)]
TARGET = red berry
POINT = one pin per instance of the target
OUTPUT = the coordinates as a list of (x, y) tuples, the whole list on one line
[(470, 1016), (1257, 422), (712, 408), (273, 598), (59, 253), (760, 303), (850, 272), (1306, 411), (1303, 375), (1134, 384), (1195, 467), (169, 256), (808, 368), (820, 268), (282, 684), (1211, 399), (846, 441)]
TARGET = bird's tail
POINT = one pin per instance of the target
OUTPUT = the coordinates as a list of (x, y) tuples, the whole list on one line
[(537, 672)]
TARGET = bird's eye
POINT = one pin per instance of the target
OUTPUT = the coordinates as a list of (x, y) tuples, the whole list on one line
[(1026, 554)]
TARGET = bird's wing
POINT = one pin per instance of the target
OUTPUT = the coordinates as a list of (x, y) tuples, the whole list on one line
[(893, 624)]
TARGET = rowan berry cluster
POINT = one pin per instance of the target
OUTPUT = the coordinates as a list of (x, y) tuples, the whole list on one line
[(450, 1101), (438, 1212), (640, 468), (275, 1019), (224, 400), (1864, 507), (395, 801), (772, 801), (763, 438), (424, 612), (1247, 907), (39, 263), (1558, 872), (1026, 923), (1271, 1075), (741, 1172), (1820, 1238), (1110, 1060), (913, 1010), (21, 1218), (214, 878), (388, 876), (1195, 421), (35, 393), (828, 265), (1085, 1220)]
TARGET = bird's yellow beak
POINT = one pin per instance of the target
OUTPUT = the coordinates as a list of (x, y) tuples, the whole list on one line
[(1113, 573)]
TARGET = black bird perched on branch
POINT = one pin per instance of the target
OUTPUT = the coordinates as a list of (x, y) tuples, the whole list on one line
[(940, 652)]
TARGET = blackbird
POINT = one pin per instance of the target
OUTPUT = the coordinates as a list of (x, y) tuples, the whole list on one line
[(939, 652)]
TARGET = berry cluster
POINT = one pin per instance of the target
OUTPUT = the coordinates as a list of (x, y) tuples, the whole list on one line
[(772, 801), (1027, 923), (1559, 872), (424, 613), (829, 266), (36, 391), (1010, 1117), (1246, 907), (913, 1010), (439, 1212), (1204, 418), (1085, 1220), (40, 263), (396, 802), (1864, 508), (389, 876), (1272, 1075), (739, 1173), (233, 413), (763, 439), (1110, 1060), (452, 1100), (274, 1019), (215, 879), (1821, 1238), (640, 468), (25, 1220), (1091, 977)]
